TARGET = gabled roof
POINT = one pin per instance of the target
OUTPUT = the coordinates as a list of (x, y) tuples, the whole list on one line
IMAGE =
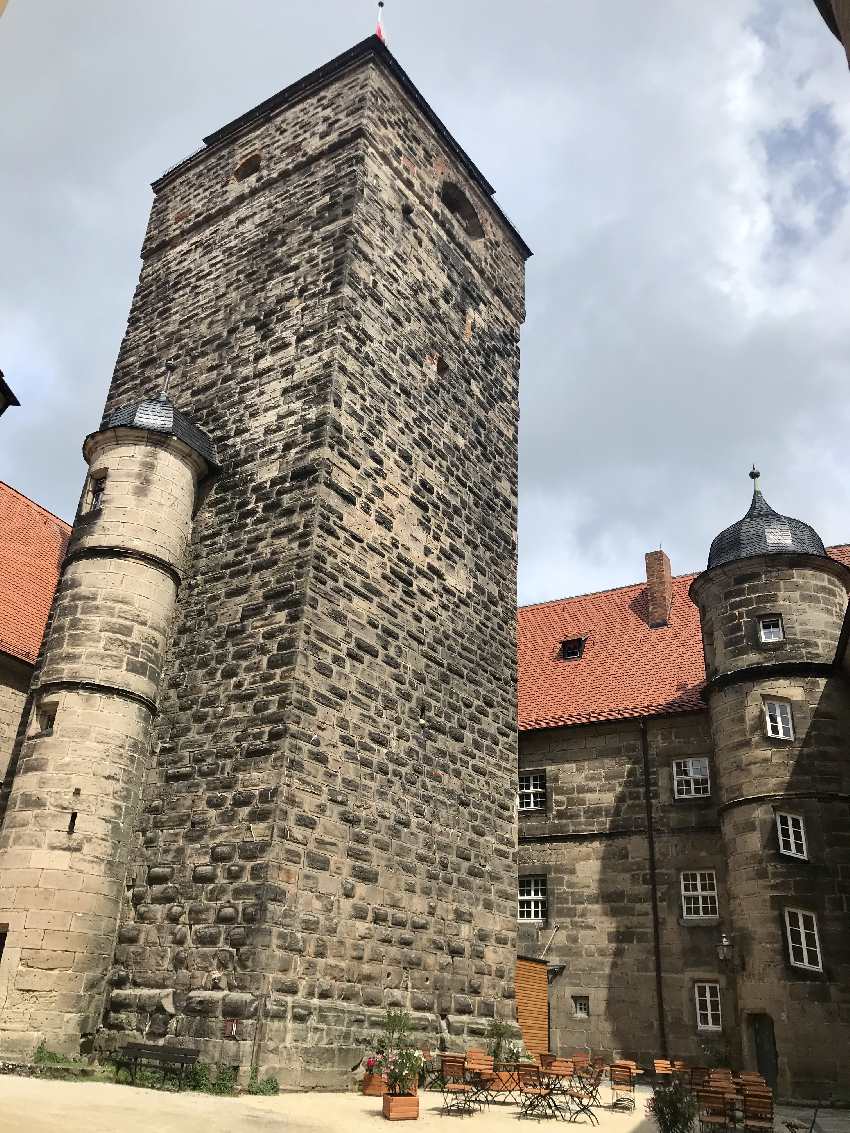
[(626, 670), (32, 545)]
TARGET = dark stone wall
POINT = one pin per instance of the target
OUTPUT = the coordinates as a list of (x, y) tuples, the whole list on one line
[(592, 844), (329, 826)]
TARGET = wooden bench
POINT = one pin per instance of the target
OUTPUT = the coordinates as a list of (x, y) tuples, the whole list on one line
[(168, 1059)]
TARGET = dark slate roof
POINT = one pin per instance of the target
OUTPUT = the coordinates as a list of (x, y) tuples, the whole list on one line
[(764, 531), (160, 416)]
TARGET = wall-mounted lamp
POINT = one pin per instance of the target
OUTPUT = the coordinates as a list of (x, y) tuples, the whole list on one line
[(725, 948)]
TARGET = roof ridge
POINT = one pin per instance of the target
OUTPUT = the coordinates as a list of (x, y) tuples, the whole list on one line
[(35, 503), (630, 585)]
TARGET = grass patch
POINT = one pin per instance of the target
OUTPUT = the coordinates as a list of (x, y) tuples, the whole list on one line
[(264, 1087)]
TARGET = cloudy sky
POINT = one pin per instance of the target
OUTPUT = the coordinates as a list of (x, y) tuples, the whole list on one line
[(680, 169)]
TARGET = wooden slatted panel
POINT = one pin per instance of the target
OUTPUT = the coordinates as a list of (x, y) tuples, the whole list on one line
[(532, 1003)]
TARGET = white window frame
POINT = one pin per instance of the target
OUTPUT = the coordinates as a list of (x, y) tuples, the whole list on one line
[(775, 635), (583, 1011), (711, 1009), (533, 899), (532, 790), (688, 775), (804, 931), (778, 719), (791, 835), (700, 886)]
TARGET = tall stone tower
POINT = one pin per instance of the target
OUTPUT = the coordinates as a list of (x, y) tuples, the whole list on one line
[(328, 821), (81, 764), (772, 605)]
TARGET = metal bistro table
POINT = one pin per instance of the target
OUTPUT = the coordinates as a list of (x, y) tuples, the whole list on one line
[(505, 1089)]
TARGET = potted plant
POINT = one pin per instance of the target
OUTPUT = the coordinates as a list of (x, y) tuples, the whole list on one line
[(401, 1068), (672, 1107), (498, 1033), (373, 1084)]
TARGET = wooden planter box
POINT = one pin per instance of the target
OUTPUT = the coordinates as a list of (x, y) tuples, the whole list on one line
[(401, 1107), (374, 1085)]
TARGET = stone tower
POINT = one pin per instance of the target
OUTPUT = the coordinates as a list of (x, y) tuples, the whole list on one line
[(81, 764), (328, 822), (772, 605)]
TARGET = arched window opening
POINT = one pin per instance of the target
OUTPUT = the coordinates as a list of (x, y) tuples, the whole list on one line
[(461, 207)]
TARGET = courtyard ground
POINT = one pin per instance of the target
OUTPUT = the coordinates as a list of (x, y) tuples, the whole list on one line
[(31, 1105)]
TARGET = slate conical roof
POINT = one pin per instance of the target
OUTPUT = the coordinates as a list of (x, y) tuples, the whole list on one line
[(160, 416), (763, 531)]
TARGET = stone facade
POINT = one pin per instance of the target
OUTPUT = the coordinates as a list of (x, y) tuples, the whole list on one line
[(81, 761), (14, 682), (327, 826)]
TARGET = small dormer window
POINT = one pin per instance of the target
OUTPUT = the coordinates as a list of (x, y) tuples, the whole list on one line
[(771, 628), (572, 649)]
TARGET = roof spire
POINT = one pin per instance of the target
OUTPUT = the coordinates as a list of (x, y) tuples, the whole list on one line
[(379, 29), (754, 476)]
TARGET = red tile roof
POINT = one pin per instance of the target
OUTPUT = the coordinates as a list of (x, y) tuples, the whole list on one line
[(32, 546), (626, 669)]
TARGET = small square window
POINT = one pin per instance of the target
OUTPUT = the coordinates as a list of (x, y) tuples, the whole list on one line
[(572, 649), (691, 778), (43, 718), (779, 722), (771, 628), (94, 491), (707, 996), (581, 1006), (803, 942), (792, 835), (532, 791), (699, 894), (533, 904)]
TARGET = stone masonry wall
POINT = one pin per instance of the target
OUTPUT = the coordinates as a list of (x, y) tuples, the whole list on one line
[(14, 681), (329, 826), (808, 776), (591, 844)]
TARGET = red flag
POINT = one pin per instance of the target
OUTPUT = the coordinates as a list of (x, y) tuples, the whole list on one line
[(379, 30)]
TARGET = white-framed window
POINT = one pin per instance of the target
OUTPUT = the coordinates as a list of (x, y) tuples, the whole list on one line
[(581, 1006), (699, 894), (691, 778), (707, 997), (803, 942), (532, 898), (532, 790), (792, 835), (771, 628), (778, 720)]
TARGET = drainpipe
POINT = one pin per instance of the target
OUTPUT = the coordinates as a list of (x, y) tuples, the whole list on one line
[(653, 890)]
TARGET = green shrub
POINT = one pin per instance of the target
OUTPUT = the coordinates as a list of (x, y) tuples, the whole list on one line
[(497, 1034), (673, 1107), (265, 1086), (45, 1057)]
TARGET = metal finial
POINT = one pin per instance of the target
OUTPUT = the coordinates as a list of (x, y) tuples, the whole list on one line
[(754, 476), (170, 367)]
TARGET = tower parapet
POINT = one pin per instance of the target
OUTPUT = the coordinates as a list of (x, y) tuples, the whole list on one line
[(70, 816), (772, 605)]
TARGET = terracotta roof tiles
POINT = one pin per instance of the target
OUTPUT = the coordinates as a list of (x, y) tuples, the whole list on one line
[(626, 668), (32, 546)]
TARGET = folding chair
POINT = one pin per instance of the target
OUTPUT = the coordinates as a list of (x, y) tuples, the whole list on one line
[(622, 1087), (758, 1111), (537, 1096), (712, 1110), (458, 1094), (480, 1075)]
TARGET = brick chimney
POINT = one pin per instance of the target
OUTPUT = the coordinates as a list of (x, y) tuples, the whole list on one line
[(659, 588)]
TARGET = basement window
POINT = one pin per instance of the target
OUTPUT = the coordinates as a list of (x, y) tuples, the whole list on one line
[(247, 168), (572, 649), (581, 1006), (462, 209)]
